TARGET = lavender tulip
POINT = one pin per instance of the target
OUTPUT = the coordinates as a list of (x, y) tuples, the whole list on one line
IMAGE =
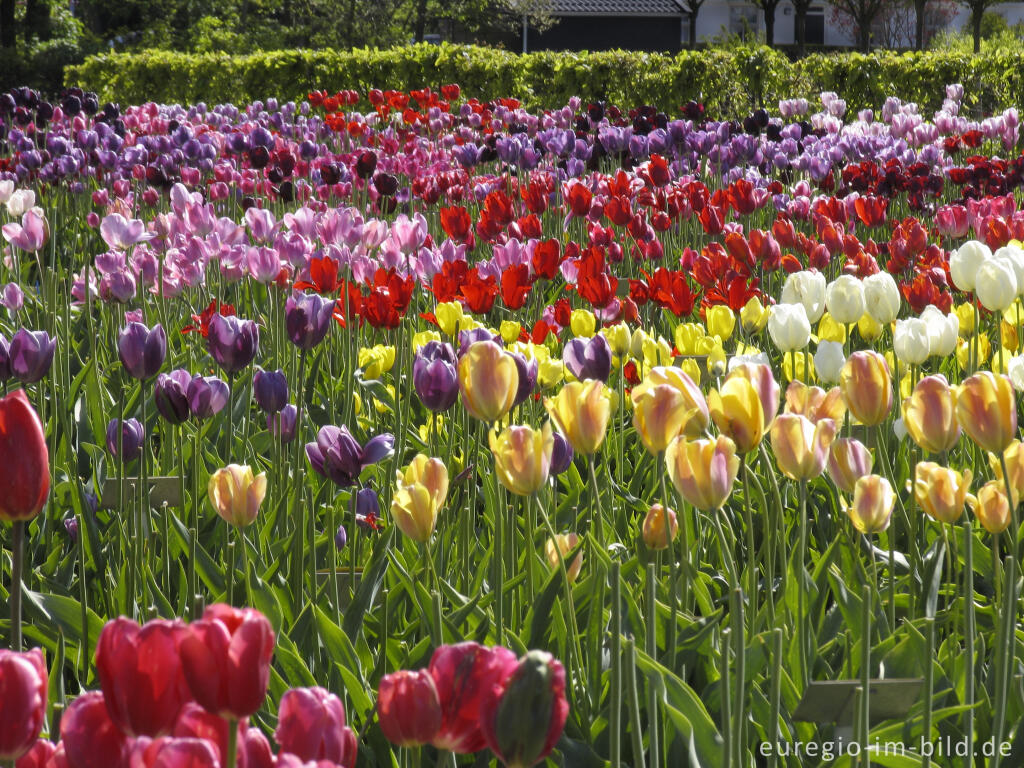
[(31, 355), (170, 395), (435, 377), (142, 351), (340, 537), (232, 342), (207, 396), (527, 377), (270, 390), (337, 455), (588, 358), (307, 318), (132, 436)]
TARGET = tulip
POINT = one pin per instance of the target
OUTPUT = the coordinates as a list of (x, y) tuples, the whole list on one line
[(461, 674), (307, 319), (522, 457), (408, 708), (337, 455), (789, 327), (207, 396), (419, 495), (174, 753), (194, 722), (39, 755), (1014, 458), (470, 337), (23, 702), (236, 494), (881, 297), (89, 735), (528, 371), (941, 492), (653, 529), (488, 380), (565, 543), (694, 405), (5, 360), (618, 337), (270, 390), (522, 717), (848, 461), (659, 414), (435, 377), (132, 435), (232, 342), (829, 360), (910, 341), (141, 350), (987, 411), (581, 411), (873, 500), (283, 425), (737, 412), (31, 355), (721, 321), (991, 507), (844, 299), (169, 394), (996, 285), (867, 387), (929, 415), (808, 290), (801, 446), (143, 698), (703, 471), (311, 726), (226, 660), (588, 358), (25, 469), (942, 330), (965, 262), (561, 454), (753, 316)]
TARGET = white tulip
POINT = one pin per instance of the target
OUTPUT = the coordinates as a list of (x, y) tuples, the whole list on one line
[(1015, 258), (910, 340), (789, 327), (996, 285), (943, 330), (20, 201), (844, 299), (6, 190), (965, 262), (806, 288), (1015, 369), (829, 360), (881, 297)]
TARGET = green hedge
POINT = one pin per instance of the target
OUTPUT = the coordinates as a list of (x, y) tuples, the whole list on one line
[(730, 81)]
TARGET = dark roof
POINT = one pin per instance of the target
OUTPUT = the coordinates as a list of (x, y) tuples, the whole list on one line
[(615, 8)]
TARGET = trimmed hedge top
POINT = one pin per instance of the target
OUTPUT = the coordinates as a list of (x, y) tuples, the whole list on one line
[(730, 82)]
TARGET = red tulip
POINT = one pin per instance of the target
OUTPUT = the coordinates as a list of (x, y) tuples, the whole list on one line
[(461, 674), (408, 708), (254, 750), (194, 722), (226, 659), (141, 675), (25, 470), (89, 737), (38, 756), (173, 753), (23, 685), (311, 726)]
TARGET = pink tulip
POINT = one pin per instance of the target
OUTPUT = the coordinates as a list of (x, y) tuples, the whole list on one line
[(23, 684), (30, 235), (120, 233), (311, 726)]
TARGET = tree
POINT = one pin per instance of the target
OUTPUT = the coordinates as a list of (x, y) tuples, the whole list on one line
[(768, 8), (692, 7), (7, 37), (800, 8), (978, 9), (863, 14)]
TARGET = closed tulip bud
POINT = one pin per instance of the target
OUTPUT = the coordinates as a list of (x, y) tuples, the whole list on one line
[(170, 395), (419, 495), (965, 350), (910, 341), (166, 752), (869, 328), (789, 327), (815, 403), (488, 380), (659, 414), (807, 289), (991, 507), (881, 297), (132, 435), (1015, 370), (25, 470), (522, 457), (283, 425), (307, 319), (39, 755), (848, 461), (721, 321), (31, 355), (582, 322), (561, 454), (829, 360), (565, 543), (449, 316), (694, 404), (236, 494), (618, 338), (996, 285), (737, 412), (528, 371), (89, 736), (801, 446), (581, 411), (753, 316), (703, 471), (232, 342), (942, 331), (965, 262), (141, 350), (311, 726), (844, 299), (207, 396), (653, 531), (435, 377), (873, 500), (830, 329), (763, 380), (929, 415), (522, 717), (588, 358), (408, 708), (987, 410), (23, 681), (270, 390), (965, 315), (867, 387), (941, 492)]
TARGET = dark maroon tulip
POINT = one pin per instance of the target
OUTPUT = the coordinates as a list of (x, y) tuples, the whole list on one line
[(226, 658), (89, 737), (588, 358), (270, 390), (311, 726), (527, 377), (31, 355), (23, 683), (38, 756), (142, 351), (366, 164), (408, 708), (133, 434), (232, 342), (143, 697), (435, 376), (338, 456), (170, 393), (386, 184), (5, 360), (561, 454), (307, 318), (207, 396), (283, 425)]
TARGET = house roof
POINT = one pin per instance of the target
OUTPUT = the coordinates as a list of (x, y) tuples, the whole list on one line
[(615, 8)]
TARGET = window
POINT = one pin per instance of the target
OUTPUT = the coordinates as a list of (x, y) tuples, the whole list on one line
[(743, 20), (815, 26)]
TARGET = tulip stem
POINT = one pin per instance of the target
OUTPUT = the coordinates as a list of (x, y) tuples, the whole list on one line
[(752, 562), (296, 515), (596, 509), (670, 637), (802, 616), (17, 567), (969, 630), (865, 670), (232, 755), (615, 684)]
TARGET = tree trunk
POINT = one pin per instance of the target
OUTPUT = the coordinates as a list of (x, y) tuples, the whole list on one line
[(769, 25), (37, 20), (693, 29), (800, 30), (421, 20), (919, 10), (864, 34), (976, 15), (349, 22), (7, 24)]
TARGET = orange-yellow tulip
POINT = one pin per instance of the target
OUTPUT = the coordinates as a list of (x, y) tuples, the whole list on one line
[(695, 405), (848, 461), (659, 414), (488, 380), (737, 412), (653, 530), (1015, 466), (566, 543), (522, 457), (873, 499), (867, 387), (801, 447), (763, 380), (815, 403), (930, 416), (703, 471), (987, 410), (991, 507), (940, 491), (581, 411)]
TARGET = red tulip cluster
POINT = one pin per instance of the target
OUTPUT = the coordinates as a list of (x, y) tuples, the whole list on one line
[(471, 697)]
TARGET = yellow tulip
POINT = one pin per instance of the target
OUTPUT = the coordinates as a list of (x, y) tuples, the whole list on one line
[(656, 352), (582, 322), (509, 331), (566, 543), (754, 316), (716, 362), (522, 457), (419, 495), (1014, 455), (987, 410), (804, 367), (690, 367), (653, 529), (801, 447), (991, 507), (687, 336), (965, 314), (763, 380), (550, 372), (929, 415), (815, 403), (376, 361), (422, 337), (873, 500), (869, 328), (737, 412), (830, 330), (965, 348), (236, 494), (449, 316), (488, 380), (941, 492), (721, 321), (1008, 336), (695, 405), (867, 387), (703, 471), (636, 343), (659, 415), (618, 337), (581, 411)]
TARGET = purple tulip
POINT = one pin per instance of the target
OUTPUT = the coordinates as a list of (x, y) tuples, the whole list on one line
[(13, 297), (170, 393), (435, 377), (71, 526), (132, 435), (307, 318), (561, 454), (232, 342), (5, 360), (207, 396), (527, 377), (340, 537), (588, 358), (31, 355), (270, 390), (142, 351), (338, 456), (469, 338), (367, 509), (282, 425)]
